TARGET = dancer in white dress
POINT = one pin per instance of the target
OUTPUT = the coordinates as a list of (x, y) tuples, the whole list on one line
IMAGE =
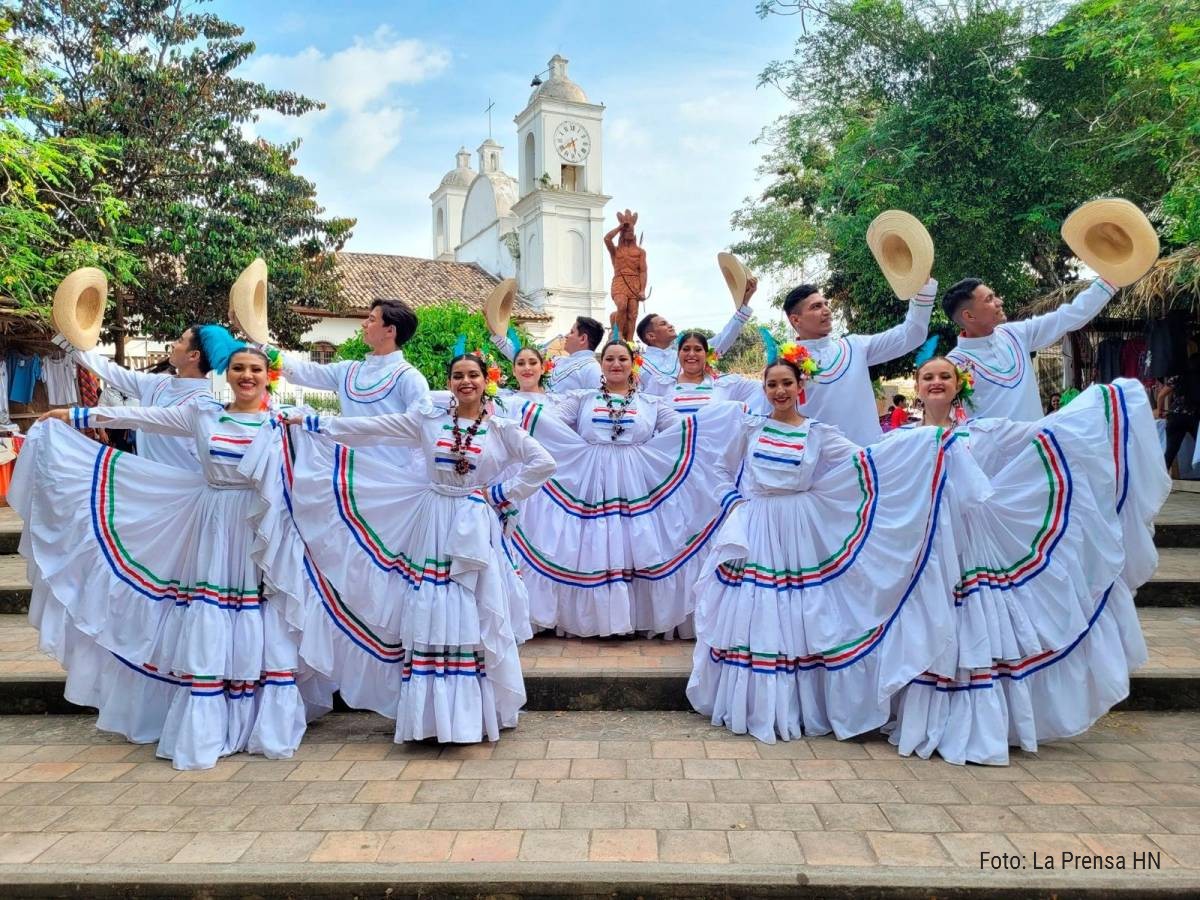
[(190, 381), (605, 544), (146, 573), (384, 382), (419, 556), (843, 395), (825, 589), (697, 383), (661, 360), (578, 370), (1052, 539)]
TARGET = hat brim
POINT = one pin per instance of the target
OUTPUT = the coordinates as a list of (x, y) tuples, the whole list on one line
[(79, 303), (1113, 238), (248, 302), (498, 307), (903, 250), (736, 276)]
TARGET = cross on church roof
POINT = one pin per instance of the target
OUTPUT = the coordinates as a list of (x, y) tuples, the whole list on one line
[(490, 106)]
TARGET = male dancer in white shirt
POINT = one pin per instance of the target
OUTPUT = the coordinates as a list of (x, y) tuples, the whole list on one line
[(660, 357), (190, 381), (841, 394), (578, 370), (997, 351)]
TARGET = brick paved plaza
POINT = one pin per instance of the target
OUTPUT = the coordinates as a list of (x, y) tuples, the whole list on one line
[(605, 801)]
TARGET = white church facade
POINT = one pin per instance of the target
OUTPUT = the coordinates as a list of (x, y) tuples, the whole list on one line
[(545, 226)]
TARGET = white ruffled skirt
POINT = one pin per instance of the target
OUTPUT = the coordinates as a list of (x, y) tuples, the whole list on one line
[(1046, 625), (146, 592), (816, 607), (414, 594)]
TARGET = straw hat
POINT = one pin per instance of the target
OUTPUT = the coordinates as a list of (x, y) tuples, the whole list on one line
[(736, 276), (497, 309), (248, 301), (1113, 237), (903, 249), (79, 307)]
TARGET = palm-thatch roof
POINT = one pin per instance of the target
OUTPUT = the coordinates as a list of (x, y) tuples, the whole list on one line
[(19, 323), (1172, 283)]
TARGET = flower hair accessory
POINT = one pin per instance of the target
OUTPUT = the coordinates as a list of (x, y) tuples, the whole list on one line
[(800, 357), (274, 374), (710, 360), (493, 372), (966, 386)]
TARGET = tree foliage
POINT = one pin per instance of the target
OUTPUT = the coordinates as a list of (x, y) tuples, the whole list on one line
[(38, 192), (155, 80), (984, 119)]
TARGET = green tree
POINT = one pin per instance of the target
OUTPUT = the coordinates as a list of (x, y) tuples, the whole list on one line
[(44, 182), (430, 349), (1118, 86), (917, 105), (156, 79)]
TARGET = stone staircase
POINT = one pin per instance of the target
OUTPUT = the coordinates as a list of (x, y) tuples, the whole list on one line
[(608, 789)]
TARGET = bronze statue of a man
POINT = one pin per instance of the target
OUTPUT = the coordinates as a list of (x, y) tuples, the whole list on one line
[(629, 274)]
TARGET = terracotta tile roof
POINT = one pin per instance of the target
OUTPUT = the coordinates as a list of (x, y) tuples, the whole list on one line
[(419, 282)]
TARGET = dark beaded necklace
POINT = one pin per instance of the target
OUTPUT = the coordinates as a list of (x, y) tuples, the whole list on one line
[(615, 413), (461, 448)]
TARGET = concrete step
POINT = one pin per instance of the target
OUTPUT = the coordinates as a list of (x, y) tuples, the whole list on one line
[(1176, 583), (628, 674), (597, 805)]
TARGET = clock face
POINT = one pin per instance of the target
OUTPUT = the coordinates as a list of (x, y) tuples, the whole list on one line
[(572, 142)]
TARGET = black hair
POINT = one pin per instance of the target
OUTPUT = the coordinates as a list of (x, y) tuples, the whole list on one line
[(801, 378), (591, 329), (899, 400), (398, 315), (475, 358), (614, 342), (204, 364), (798, 295), (959, 296), (250, 348), (693, 336), (645, 325)]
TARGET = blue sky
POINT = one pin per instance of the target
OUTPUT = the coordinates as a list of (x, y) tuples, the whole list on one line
[(406, 84)]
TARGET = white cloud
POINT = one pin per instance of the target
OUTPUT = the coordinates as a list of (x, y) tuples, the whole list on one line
[(360, 86)]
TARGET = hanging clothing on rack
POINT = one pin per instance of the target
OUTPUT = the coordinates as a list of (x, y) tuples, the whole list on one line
[(59, 375), (23, 373)]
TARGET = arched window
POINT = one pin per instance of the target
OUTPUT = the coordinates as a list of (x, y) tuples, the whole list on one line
[(528, 175), (439, 233), (322, 352)]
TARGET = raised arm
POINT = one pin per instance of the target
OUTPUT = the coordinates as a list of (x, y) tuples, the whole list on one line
[(1044, 330), (729, 334), (402, 429), (128, 382), (908, 335), (306, 373), (504, 344)]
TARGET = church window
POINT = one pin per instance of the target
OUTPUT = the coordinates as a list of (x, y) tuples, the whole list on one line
[(440, 233), (572, 178), (530, 161), (321, 352)]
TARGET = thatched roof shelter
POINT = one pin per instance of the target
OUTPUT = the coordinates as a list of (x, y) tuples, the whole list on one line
[(18, 323), (1173, 283)]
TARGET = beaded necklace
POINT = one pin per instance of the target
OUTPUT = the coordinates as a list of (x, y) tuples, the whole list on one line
[(616, 414), (461, 448)]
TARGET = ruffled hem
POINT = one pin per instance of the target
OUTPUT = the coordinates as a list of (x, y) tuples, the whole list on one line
[(605, 546), (1049, 696)]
